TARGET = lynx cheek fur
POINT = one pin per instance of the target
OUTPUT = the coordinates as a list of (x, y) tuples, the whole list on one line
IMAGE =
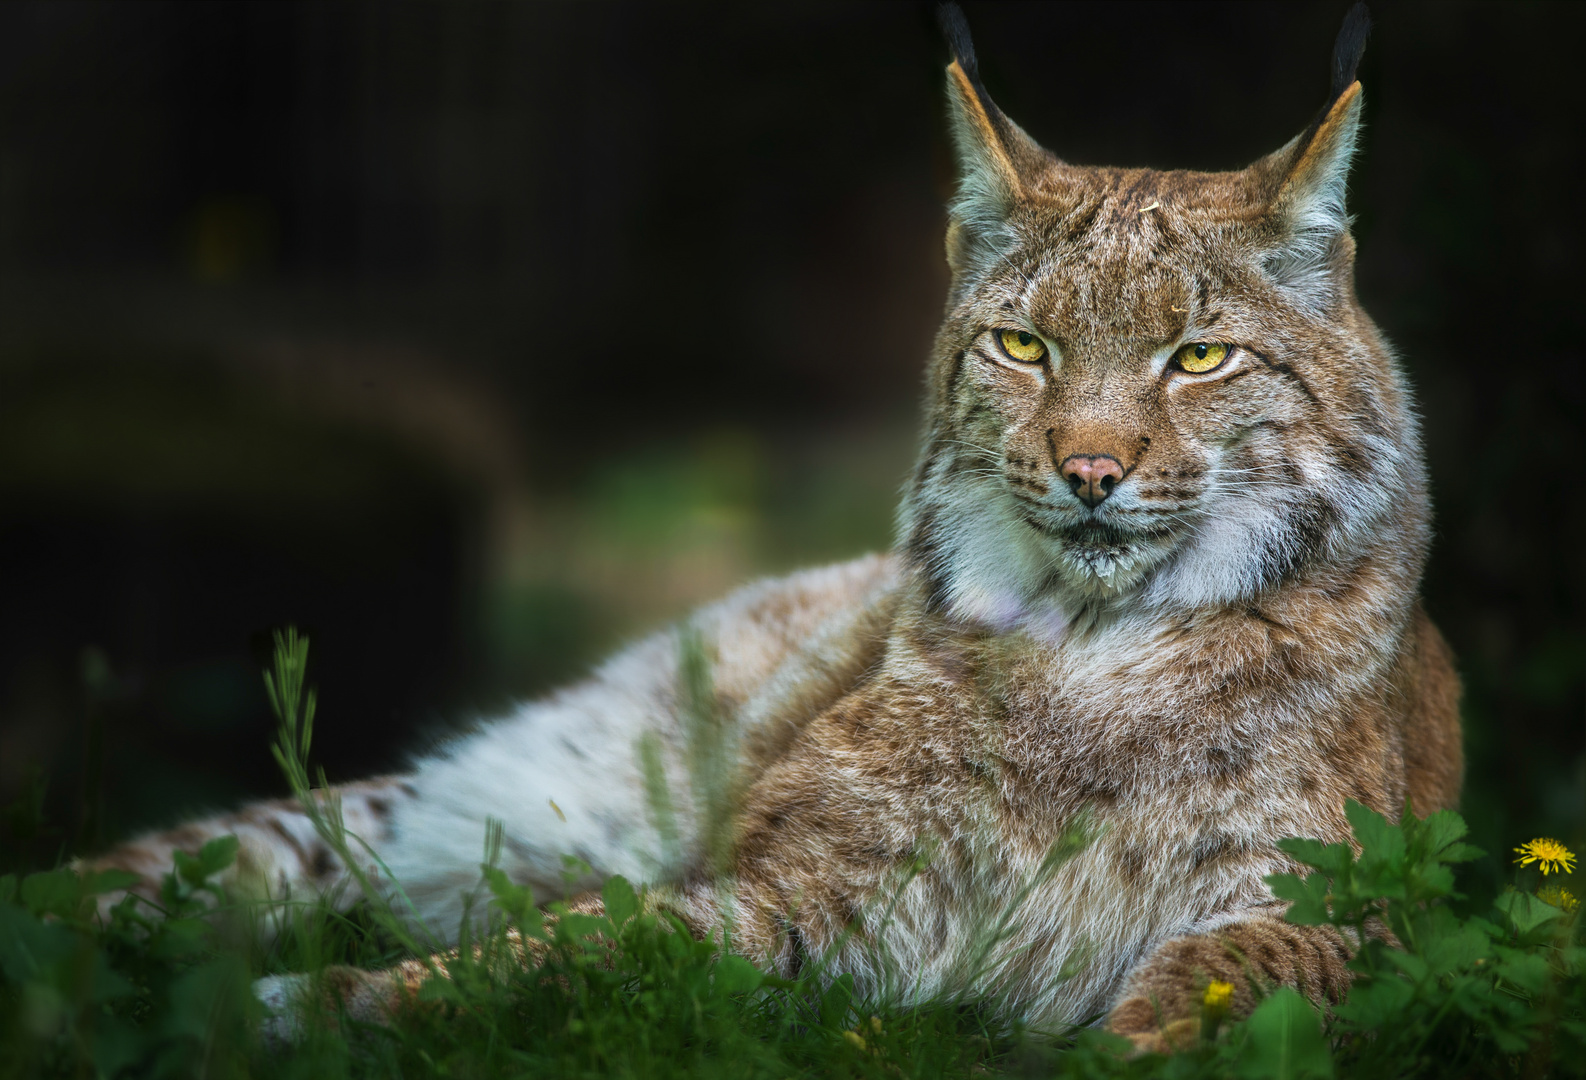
[(1157, 566)]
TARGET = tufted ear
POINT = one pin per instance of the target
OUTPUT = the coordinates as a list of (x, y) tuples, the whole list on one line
[(994, 154), (1305, 181)]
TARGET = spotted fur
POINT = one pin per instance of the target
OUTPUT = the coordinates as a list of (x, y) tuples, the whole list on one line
[(1216, 655)]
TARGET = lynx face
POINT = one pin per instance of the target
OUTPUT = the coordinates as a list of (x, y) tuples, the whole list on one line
[(1151, 386)]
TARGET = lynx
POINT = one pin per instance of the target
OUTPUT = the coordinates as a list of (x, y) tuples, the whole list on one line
[(1156, 568)]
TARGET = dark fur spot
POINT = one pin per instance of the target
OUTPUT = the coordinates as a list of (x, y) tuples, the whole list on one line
[(291, 841), (1210, 849), (1080, 225), (322, 862), (796, 949), (977, 769), (1309, 524), (1227, 762), (1131, 867), (1289, 373)]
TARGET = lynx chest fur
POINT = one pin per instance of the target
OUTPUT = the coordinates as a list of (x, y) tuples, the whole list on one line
[(1152, 608)]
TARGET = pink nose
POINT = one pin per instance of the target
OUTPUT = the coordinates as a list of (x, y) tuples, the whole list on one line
[(1091, 477)]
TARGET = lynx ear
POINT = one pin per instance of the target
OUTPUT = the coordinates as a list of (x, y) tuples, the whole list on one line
[(994, 155), (1306, 179)]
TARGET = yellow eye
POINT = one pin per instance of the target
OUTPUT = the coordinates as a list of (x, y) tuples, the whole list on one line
[(1023, 346), (1201, 357)]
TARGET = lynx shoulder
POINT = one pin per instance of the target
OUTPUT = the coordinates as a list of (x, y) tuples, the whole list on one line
[(1156, 570)]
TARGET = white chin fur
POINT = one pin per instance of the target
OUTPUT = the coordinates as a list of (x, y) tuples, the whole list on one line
[(1003, 574)]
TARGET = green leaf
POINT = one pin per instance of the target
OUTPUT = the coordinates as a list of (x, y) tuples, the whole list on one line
[(212, 858), (1328, 858), (31, 950), (53, 892), (208, 999), (516, 900), (1308, 898), (735, 975), (1412, 965), (1525, 911), (1374, 1003), (1456, 853), (1380, 840), (1528, 971), (835, 1002), (1455, 950), (100, 882), (622, 903), (1284, 1041), (217, 854), (578, 927), (1439, 830), (179, 939)]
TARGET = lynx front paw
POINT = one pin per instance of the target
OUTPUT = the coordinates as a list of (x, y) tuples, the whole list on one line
[(293, 1002), (283, 997)]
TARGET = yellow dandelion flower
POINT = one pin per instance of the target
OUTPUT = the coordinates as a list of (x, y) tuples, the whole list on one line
[(1548, 854), (1218, 996), (1558, 896)]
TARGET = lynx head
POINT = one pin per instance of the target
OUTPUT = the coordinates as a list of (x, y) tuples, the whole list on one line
[(1153, 388)]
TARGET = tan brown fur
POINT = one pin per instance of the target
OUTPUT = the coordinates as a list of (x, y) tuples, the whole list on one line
[(1216, 656)]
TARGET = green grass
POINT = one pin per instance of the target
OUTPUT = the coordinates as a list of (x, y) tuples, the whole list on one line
[(165, 990)]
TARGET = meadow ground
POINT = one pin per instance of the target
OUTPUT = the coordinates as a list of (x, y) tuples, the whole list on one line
[(1480, 987)]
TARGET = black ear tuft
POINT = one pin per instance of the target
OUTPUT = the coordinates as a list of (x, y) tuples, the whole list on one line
[(1348, 48), (955, 28)]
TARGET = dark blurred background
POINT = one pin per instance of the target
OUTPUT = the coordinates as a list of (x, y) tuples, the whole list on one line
[(477, 338)]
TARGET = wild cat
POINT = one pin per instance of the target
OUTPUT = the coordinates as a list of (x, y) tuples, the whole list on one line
[(1157, 564)]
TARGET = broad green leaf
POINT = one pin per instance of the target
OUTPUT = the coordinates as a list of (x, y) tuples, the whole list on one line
[(735, 975), (217, 854), (1381, 843), (1526, 970), (213, 857), (207, 998), (53, 892), (1457, 853), (516, 900), (579, 927), (835, 1001), (104, 881), (34, 950), (1448, 949), (1376, 1002), (1308, 898), (179, 939), (622, 903), (1525, 911), (1441, 829), (1284, 1041), (1329, 858), (1409, 963), (116, 1045)]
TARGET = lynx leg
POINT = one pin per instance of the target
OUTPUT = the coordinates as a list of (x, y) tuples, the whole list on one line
[(1160, 1005), (280, 854), (375, 997)]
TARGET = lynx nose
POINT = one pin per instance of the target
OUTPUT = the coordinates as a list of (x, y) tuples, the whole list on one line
[(1091, 477)]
